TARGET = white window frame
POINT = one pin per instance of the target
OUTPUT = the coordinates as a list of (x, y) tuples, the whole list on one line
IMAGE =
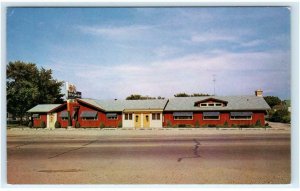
[(245, 119), (174, 117), (156, 116), (89, 118), (210, 119)]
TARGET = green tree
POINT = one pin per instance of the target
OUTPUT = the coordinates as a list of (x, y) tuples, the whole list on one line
[(272, 100), (199, 95), (28, 86), (188, 95), (182, 95), (138, 97)]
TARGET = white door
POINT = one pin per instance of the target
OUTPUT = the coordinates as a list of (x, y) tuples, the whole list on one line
[(51, 119)]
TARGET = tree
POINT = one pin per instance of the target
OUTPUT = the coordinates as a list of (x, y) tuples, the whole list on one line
[(272, 100), (188, 95), (138, 97), (199, 95), (182, 95), (28, 86)]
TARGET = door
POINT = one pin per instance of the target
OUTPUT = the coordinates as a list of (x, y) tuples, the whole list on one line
[(137, 120), (52, 117), (146, 120)]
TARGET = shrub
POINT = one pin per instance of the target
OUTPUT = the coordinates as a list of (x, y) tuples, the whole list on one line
[(182, 125), (30, 124), (226, 124), (77, 124), (233, 125), (120, 124), (204, 125), (286, 119), (211, 125), (258, 123), (102, 125), (169, 124), (57, 124), (267, 124), (197, 124), (43, 124)]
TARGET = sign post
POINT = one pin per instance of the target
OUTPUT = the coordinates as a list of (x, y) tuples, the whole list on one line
[(70, 96)]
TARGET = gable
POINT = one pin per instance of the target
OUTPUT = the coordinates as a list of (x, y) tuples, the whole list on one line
[(210, 102)]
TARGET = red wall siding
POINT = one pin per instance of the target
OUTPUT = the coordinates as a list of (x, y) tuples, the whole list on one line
[(37, 121), (197, 116), (89, 123)]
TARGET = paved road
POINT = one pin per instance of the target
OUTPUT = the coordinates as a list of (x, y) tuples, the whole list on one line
[(148, 159)]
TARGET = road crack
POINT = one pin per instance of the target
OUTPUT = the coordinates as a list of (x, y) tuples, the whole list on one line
[(78, 148), (195, 151)]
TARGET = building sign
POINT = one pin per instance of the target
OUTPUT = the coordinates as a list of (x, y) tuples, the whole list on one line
[(72, 93)]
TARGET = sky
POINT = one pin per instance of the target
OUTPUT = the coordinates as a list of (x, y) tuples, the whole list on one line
[(112, 53)]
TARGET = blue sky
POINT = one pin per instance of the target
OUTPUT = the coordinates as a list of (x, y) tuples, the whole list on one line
[(114, 52)]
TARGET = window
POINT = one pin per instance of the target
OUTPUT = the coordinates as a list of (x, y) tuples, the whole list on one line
[(241, 115), (211, 104), (183, 115), (155, 116), (112, 116), (128, 116), (89, 118), (203, 104), (64, 115), (136, 118), (212, 115), (218, 104), (36, 116), (89, 115)]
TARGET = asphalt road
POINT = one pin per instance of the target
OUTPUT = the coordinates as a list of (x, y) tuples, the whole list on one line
[(149, 159)]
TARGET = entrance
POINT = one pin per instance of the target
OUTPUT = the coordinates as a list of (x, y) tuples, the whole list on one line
[(51, 118), (146, 120), (137, 120)]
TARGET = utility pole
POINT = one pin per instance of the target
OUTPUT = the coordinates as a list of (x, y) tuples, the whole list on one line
[(214, 80)]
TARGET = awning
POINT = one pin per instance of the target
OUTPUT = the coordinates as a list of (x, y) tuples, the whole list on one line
[(182, 114), (88, 114), (36, 115), (111, 115), (211, 114), (240, 114), (63, 114)]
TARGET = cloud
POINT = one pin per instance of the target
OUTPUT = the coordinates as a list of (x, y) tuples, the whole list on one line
[(236, 74), (252, 43), (165, 51), (116, 31), (202, 38)]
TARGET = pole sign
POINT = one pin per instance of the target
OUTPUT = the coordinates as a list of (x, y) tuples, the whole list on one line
[(71, 92)]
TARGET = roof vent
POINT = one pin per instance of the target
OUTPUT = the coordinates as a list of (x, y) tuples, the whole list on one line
[(259, 93)]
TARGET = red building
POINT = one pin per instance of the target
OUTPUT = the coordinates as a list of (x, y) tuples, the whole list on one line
[(180, 111), (216, 111)]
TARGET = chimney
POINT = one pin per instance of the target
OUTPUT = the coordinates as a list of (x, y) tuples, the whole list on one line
[(259, 93)]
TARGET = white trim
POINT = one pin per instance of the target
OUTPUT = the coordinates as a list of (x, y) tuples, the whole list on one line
[(210, 119), (241, 119), (183, 119)]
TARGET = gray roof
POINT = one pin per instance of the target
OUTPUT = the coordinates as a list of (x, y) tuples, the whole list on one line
[(120, 105), (42, 108), (235, 103)]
